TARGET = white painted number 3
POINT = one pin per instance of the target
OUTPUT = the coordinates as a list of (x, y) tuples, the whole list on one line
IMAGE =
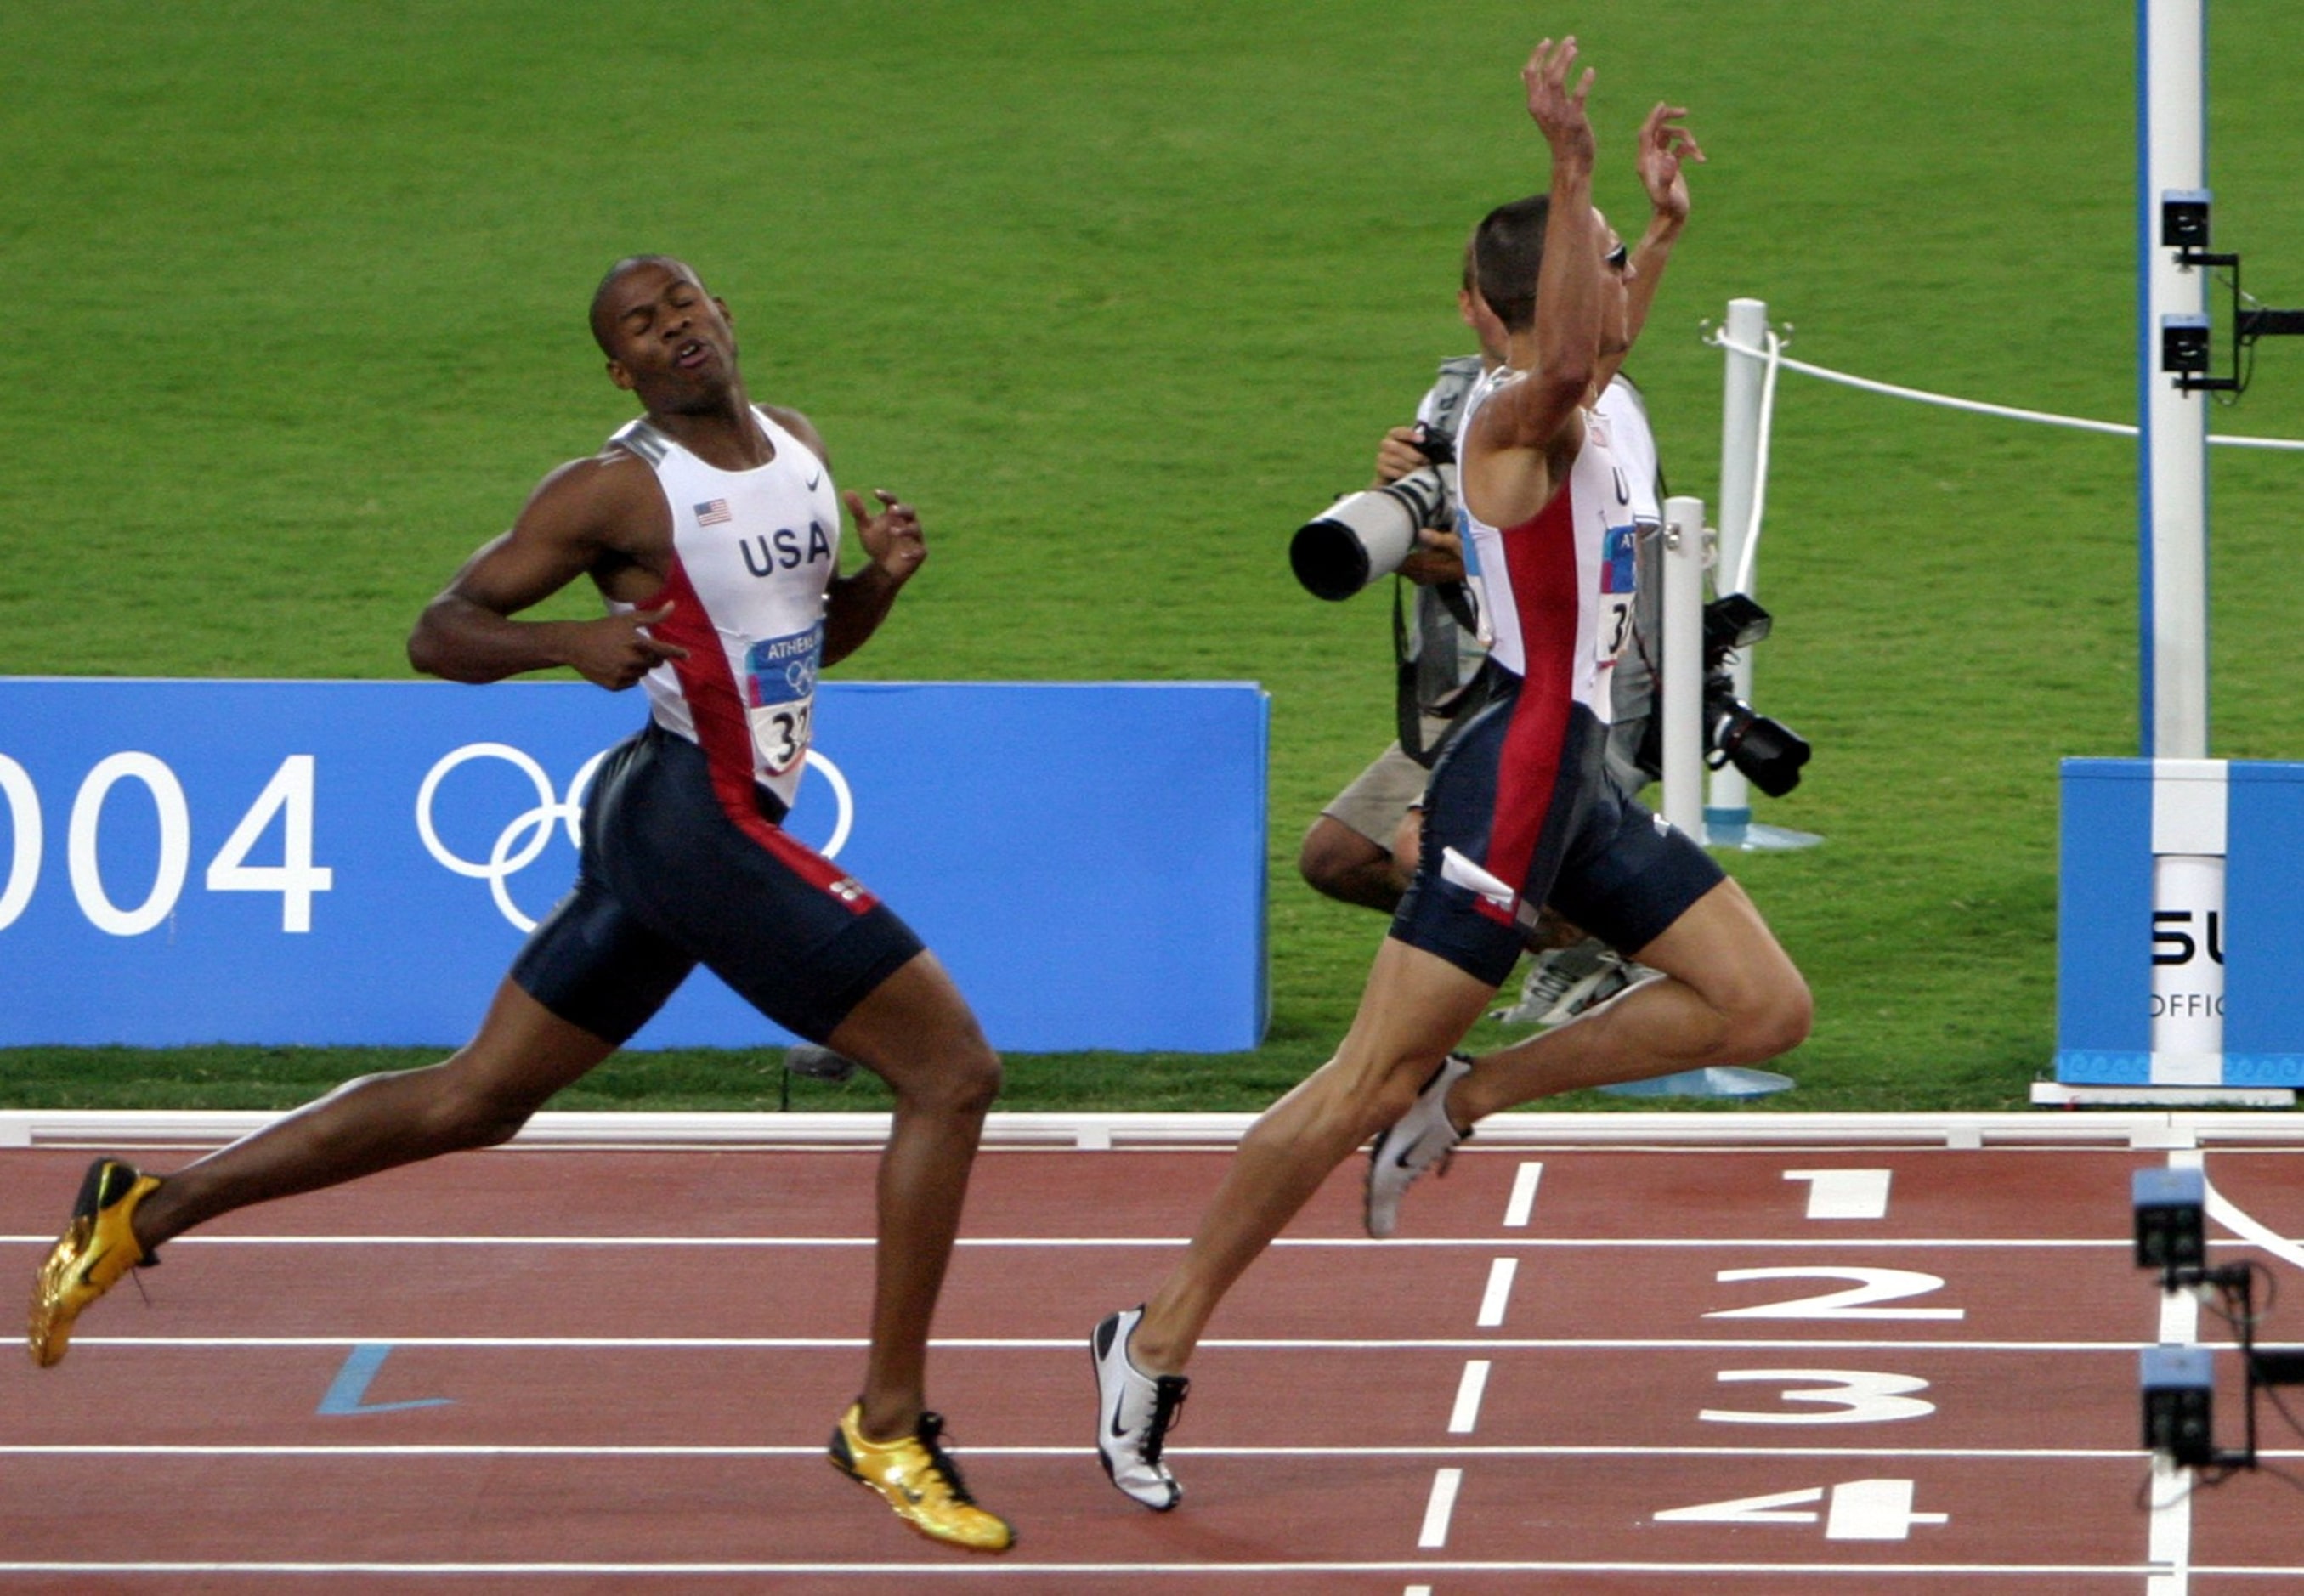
[(1860, 1510), (1858, 1396)]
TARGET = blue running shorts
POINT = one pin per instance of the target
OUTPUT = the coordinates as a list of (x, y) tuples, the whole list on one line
[(674, 876), (1527, 799)]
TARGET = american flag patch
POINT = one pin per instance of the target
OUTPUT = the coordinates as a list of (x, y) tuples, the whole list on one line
[(713, 514)]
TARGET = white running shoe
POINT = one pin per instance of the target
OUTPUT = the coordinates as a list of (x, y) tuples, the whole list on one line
[(1552, 976), (1134, 1411), (1423, 1138)]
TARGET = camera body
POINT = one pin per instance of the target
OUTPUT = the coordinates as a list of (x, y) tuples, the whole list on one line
[(1768, 752), (1364, 537)]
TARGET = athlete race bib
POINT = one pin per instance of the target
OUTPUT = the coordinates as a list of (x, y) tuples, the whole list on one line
[(1619, 575), (780, 693)]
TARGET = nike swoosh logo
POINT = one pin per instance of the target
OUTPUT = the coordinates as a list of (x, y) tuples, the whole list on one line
[(1118, 1432), (813, 480)]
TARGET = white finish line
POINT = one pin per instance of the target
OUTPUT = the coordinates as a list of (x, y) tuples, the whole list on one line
[(1018, 1571), (1844, 1193), (1498, 1296), (1523, 1204), (1466, 1416), (1445, 1484)]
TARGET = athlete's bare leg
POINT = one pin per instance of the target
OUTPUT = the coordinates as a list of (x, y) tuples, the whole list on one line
[(1415, 1008), (915, 1031), (477, 1098), (1730, 996)]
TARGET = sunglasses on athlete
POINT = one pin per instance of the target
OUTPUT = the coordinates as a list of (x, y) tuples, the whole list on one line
[(1615, 260)]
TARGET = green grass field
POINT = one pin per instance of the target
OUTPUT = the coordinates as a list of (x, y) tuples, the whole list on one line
[(1119, 294)]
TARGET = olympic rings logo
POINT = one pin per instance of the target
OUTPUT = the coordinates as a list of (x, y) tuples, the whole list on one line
[(527, 834)]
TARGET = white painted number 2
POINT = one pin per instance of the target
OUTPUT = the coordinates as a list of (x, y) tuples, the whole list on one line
[(1855, 1396), (1872, 1285)]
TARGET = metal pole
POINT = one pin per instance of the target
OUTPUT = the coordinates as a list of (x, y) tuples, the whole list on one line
[(2174, 446), (1683, 665)]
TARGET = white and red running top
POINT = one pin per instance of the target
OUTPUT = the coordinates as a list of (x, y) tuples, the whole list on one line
[(753, 552), (1556, 590)]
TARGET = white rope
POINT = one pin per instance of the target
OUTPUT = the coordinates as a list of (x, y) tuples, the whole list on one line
[(2120, 429)]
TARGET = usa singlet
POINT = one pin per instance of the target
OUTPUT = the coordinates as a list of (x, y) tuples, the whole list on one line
[(1555, 591), (752, 554)]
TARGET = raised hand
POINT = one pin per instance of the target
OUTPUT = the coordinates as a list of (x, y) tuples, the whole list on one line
[(1664, 146), (891, 535), (1557, 109), (616, 650)]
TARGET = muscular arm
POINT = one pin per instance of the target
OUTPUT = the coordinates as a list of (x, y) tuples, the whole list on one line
[(590, 517), (1521, 438), (856, 604)]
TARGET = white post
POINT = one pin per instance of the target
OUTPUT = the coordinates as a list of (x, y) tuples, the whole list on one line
[(2174, 445), (1683, 665), (1728, 814)]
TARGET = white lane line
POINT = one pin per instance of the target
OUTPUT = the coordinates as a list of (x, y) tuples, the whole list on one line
[(1499, 1293), (1418, 1591), (2225, 1212), (1523, 1196), (1395, 1245), (1068, 1343), (1466, 1417), (1445, 1484), (2121, 1454), (1017, 1571), (1845, 1194)]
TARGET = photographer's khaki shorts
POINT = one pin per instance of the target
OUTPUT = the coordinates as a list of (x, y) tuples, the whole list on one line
[(1380, 797)]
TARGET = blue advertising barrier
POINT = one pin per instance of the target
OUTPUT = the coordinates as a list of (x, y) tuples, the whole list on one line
[(2187, 978), (357, 862)]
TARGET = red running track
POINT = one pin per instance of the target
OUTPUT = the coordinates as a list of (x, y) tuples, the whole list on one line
[(1618, 1372)]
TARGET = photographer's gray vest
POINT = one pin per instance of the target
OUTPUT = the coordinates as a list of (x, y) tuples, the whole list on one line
[(1445, 655)]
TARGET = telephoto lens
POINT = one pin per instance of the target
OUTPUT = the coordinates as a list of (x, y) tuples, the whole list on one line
[(1364, 536), (1768, 752)]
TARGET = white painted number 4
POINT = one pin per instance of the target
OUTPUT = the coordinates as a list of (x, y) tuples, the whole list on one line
[(1860, 1510), (289, 795)]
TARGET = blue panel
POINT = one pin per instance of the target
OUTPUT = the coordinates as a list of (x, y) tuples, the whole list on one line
[(2104, 919), (2103, 1069), (1088, 859), (2263, 1069), (2264, 925)]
